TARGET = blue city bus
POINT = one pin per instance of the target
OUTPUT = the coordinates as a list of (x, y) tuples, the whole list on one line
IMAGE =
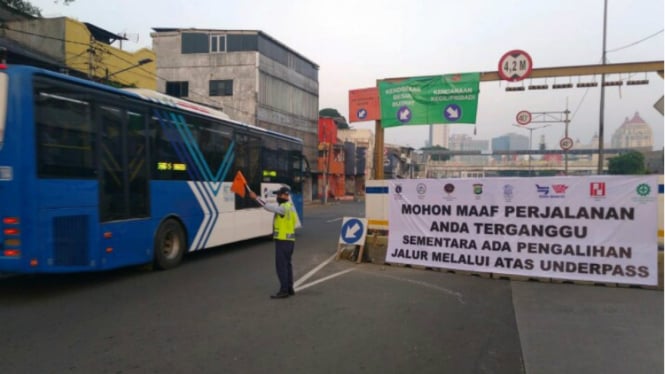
[(95, 178)]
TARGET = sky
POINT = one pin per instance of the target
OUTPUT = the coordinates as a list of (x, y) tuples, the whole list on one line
[(355, 43)]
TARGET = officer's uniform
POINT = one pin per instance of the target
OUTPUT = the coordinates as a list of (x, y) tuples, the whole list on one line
[(284, 235)]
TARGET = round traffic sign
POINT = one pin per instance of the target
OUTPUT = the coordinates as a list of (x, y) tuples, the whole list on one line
[(353, 230), (566, 143), (523, 117), (515, 65)]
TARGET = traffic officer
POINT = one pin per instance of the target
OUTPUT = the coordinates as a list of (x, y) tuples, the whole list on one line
[(284, 236)]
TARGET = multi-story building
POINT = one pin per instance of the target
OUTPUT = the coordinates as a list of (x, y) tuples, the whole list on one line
[(633, 133), (251, 76), (464, 142), (439, 135), (509, 142)]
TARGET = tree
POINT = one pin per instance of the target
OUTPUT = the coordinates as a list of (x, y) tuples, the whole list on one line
[(25, 6), (434, 154), (631, 162), (340, 121)]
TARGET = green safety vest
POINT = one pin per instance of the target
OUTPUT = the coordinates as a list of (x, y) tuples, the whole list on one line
[(284, 227)]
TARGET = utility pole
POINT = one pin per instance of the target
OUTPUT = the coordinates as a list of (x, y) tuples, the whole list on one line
[(566, 122), (601, 126)]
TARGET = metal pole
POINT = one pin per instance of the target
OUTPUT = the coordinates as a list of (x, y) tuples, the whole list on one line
[(325, 174), (378, 150), (601, 130), (530, 149), (566, 121)]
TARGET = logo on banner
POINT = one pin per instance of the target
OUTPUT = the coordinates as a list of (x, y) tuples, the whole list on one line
[(478, 188), (398, 192), (449, 188), (508, 192), (421, 189), (643, 190), (559, 191), (543, 191), (597, 189)]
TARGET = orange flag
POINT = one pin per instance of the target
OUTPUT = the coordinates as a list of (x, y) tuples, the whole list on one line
[(239, 185)]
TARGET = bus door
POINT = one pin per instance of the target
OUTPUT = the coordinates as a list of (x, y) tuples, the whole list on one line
[(123, 187)]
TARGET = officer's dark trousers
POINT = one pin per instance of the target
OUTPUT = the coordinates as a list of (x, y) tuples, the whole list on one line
[(283, 253)]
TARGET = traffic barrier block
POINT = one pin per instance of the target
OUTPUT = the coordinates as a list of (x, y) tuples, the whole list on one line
[(347, 252), (375, 249)]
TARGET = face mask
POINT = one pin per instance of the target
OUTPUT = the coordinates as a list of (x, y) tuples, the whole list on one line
[(282, 200)]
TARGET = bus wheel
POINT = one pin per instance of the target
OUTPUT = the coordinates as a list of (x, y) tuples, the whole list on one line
[(169, 245)]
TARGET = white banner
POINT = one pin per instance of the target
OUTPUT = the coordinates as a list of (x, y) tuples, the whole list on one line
[(593, 228)]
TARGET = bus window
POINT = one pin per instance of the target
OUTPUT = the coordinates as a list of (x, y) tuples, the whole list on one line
[(64, 134), (214, 143), (247, 160), (165, 142), (4, 83), (137, 165)]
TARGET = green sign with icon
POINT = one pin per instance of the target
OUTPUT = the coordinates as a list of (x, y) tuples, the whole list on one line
[(438, 99)]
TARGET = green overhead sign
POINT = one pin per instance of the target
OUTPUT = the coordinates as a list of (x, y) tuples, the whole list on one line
[(440, 99)]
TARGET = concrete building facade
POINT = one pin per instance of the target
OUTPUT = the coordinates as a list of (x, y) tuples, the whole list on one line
[(249, 75)]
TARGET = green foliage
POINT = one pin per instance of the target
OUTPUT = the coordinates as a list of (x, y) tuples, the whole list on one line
[(628, 163), (26, 7), (339, 119), (22, 6), (329, 112)]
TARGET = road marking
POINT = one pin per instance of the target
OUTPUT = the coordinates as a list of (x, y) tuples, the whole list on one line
[(331, 276), (313, 271), (334, 220), (457, 295)]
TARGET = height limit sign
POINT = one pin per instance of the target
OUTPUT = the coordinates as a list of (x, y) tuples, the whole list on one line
[(515, 65)]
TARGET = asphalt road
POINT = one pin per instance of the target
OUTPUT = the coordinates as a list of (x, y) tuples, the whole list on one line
[(213, 315)]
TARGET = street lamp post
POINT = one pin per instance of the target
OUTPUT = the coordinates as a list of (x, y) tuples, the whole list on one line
[(531, 129), (139, 63)]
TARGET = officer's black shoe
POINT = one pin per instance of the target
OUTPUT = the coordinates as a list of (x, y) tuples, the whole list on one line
[(292, 292), (280, 295)]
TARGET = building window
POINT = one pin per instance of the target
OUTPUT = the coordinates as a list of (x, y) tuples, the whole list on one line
[(221, 87), (217, 43), (194, 42), (177, 89)]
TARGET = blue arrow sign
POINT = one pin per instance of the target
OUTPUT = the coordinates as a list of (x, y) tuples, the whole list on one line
[(352, 231), (404, 114), (452, 112)]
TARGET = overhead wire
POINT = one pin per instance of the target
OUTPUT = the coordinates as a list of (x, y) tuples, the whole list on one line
[(635, 43)]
